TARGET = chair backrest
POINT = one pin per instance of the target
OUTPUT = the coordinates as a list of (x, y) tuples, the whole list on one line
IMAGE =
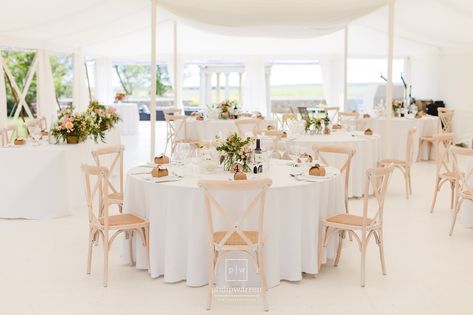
[(410, 145), (443, 161), (378, 180), (348, 153), (177, 126), (280, 114), (234, 224), (96, 189), (303, 112), (172, 111), (332, 112), (248, 125), (115, 152), (10, 133), (463, 167), (351, 118), (446, 119), (32, 123)]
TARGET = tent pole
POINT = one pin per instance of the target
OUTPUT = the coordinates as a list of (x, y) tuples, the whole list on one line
[(153, 81), (345, 72), (175, 83), (389, 84)]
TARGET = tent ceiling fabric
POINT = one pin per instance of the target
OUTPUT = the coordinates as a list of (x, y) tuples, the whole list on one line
[(281, 18)]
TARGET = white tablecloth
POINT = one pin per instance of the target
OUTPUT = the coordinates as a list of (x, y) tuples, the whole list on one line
[(45, 181), (130, 118), (366, 156), (426, 126), (178, 224), (205, 130)]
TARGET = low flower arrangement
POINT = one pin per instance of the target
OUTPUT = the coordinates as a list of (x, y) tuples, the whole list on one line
[(228, 109), (235, 150), (72, 127), (316, 124), (104, 118)]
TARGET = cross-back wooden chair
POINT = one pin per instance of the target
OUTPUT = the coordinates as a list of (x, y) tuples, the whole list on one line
[(168, 113), (446, 124), (404, 165), (348, 152), (332, 112), (115, 152), (463, 168), (177, 131), (233, 238), (303, 112), (349, 118), (3, 140), (101, 223), (248, 125), (365, 225), (10, 133), (281, 115), (444, 172)]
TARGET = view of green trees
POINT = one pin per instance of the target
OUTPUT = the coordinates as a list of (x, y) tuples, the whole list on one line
[(135, 79)]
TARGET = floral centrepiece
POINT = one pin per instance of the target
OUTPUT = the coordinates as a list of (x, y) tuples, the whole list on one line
[(72, 127), (235, 150), (104, 118), (228, 109), (316, 124)]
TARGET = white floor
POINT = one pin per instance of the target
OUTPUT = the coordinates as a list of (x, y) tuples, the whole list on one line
[(42, 269)]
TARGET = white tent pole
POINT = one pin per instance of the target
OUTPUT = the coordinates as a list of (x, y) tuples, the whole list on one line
[(176, 71), (389, 84), (153, 81), (345, 71)]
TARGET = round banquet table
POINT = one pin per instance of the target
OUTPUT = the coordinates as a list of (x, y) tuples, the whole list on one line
[(206, 130), (179, 247), (426, 126), (45, 181), (366, 156), (130, 118)]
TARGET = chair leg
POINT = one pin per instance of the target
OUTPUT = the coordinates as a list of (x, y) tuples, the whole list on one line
[(341, 235), (381, 251), (406, 180), (419, 151), (322, 247), (105, 258), (89, 252), (453, 186), (363, 262), (455, 214), (211, 279), (409, 180), (435, 194), (130, 246), (262, 279), (147, 248)]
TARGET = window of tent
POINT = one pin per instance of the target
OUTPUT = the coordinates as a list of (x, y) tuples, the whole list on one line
[(295, 84), (61, 67), (367, 85)]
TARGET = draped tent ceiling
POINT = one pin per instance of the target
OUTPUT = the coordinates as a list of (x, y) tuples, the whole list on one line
[(120, 28)]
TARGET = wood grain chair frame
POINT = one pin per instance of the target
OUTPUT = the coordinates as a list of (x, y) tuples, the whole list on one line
[(404, 165), (445, 126), (281, 115), (347, 151), (178, 131), (243, 124), (444, 172), (303, 112), (363, 227), (168, 113), (332, 112), (234, 238), (116, 153), (101, 223), (464, 174), (349, 118), (10, 133)]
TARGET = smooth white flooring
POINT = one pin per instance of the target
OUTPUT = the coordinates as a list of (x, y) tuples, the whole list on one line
[(43, 263)]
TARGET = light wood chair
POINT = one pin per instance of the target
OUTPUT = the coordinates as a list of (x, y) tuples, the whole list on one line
[(168, 113), (444, 172), (446, 124), (3, 140), (101, 223), (332, 112), (281, 116), (177, 131), (404, 165), (366, 226), (463, 168), (248, 125), (115, 152), (348, 152), (10, 133), (349, 118), (303, 112), (233, 238)]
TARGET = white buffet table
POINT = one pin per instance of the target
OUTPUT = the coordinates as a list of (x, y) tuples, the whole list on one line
[(178, 224), (366, 156), (44, 181), (130, 118)]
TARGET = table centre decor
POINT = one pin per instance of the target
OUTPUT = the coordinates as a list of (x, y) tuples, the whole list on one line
[(238, 173), (72, 127), (104, 118), (235, 150), (316, 125)]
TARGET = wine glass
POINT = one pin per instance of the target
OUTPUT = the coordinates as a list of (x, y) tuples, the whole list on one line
[(36, 134), (293, 151), (281, 149)]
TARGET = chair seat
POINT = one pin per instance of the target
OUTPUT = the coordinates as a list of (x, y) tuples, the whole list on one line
[(395, 162), (349, 219), (235, 238), (467, 194), (123, 220)]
